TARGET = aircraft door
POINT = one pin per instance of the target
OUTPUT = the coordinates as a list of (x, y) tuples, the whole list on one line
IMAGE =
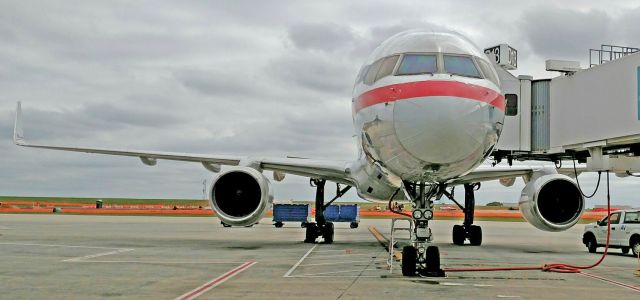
[(601, 231), (616, 230)]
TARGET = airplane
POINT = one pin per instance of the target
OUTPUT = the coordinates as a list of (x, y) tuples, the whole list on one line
[(428, 110)]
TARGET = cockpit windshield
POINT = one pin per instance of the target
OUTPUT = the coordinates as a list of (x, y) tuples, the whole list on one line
[(427, 63), (413, 64), (460, 65), (488, 72)]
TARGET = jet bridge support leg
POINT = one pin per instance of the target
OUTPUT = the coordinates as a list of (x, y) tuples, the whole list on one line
[(321, 228), (467, 230)]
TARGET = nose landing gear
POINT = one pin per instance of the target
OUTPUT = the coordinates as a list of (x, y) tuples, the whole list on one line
[(419, 258)]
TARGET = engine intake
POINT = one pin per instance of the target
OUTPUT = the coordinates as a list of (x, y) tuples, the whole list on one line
[(241, 196), (551, 202)]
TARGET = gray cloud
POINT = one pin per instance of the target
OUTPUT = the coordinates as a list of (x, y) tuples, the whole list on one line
[(325, 37), (220, 83), (316, 72), (629, 27), (564, 33), (93, 118)]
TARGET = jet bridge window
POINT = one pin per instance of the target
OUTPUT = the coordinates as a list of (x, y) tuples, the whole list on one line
[(511, 108), (414, 64), (460, 65)]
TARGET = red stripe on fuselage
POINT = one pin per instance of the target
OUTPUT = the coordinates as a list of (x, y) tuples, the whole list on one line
[(429, 88)]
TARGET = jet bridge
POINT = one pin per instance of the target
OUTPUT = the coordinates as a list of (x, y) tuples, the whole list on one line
[(592, 115)]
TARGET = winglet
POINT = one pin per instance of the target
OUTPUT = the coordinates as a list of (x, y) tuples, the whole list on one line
[(18, 134)]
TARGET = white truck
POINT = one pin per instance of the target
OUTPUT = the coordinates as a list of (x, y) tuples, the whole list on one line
[(625, 232)]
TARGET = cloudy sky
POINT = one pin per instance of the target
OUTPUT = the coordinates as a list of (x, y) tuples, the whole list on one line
[(257, 78)]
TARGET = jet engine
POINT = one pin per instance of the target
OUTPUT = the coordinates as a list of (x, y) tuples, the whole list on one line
[(551, 201), (240, 196)]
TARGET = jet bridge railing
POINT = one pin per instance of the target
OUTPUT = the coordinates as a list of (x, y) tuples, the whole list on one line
[(608, 53)]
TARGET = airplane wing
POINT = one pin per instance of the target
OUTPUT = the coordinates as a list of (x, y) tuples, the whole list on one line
[(489, 173), (337, 171)]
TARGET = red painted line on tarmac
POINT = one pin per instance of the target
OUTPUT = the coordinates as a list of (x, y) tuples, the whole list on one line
[(613, 282), (216, 281)]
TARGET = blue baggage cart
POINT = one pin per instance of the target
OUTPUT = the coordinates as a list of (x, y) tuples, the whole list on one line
[(343, 213), (291, 213)]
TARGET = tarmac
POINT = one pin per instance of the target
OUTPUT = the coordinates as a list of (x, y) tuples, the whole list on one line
[(120, 257)]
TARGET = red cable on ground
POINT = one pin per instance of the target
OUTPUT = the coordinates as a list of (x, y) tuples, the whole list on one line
[(558, 268)]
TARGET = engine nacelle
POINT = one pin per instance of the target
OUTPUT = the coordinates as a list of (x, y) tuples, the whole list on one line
[(551, 202), (240, 196)]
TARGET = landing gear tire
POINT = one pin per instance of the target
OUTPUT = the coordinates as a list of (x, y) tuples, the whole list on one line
[(278, 224), (225, 224), (327, 233), (433, 259), (635, 246), (591, 245), (409, 260), (467, 230), (475, 235), (353, 225), (625, 250), (458, 235), (311, 233)]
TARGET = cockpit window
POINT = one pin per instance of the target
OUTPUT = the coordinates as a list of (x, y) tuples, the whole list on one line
[(361, 74), (460, 65), (388, 64), (488, 71), (413, 64), (372, 72)]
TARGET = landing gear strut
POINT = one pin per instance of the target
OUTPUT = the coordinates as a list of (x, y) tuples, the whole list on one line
[(467, 230), (322, 228), (418, 257)]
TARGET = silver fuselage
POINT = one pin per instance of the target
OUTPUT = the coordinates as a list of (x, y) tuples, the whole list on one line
[(427, 127)]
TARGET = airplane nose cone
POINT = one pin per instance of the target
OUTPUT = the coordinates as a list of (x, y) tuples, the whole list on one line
[(445, 130)]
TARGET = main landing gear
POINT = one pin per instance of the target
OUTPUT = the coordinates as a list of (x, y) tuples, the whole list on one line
[(467, 230), (322, 228), (419, 258)]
